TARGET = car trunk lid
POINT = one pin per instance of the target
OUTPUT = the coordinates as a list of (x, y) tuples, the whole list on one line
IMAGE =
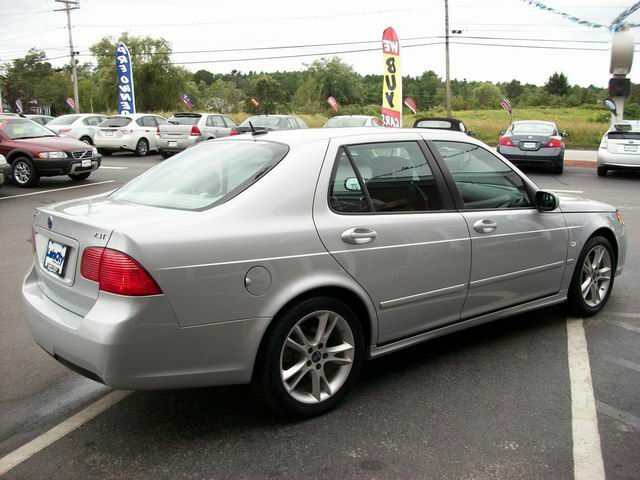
[(627, 143), (179, 126), (530, 141)]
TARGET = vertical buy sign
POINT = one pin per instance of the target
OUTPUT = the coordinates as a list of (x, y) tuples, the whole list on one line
[(124, 69), (392, 80)]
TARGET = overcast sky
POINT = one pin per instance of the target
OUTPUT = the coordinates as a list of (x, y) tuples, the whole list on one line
[(225, 24)]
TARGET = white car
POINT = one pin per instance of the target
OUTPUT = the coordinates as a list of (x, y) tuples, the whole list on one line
[(135, 133), (620, 148), (81, 126), (353, 121)]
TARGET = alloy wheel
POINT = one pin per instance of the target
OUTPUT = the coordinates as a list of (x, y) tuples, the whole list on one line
[(317, 357), (595, 280), (21, 172)]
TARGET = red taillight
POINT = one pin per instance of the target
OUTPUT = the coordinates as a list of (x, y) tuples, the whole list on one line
[(117, 272), (195, 131), (506, 141), (158, 130), (64, 131), (233, 132), (554, 143)]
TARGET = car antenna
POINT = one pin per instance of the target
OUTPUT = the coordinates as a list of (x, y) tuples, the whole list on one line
[(256, 132)]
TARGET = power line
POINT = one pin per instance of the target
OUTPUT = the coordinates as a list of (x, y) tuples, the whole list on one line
[(32, 34)]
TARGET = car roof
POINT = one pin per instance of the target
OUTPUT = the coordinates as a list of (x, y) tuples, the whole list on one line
[(542, 122), (277, 116), (352, 116), (133, 115), (305, 135)]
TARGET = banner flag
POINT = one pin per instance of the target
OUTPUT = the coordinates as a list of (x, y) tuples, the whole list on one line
[(124, 69), (254, 102), (392, 80), (333, 103), (506, 104), (411, 104), (187, 101), (71, 103)]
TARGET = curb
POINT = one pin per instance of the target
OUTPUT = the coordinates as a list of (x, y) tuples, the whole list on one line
[(581, 163)]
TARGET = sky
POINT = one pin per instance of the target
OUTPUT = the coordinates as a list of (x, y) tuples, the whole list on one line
[(259, 26)]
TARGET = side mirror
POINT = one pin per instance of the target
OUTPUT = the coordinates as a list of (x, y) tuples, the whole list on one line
[(352, 184), (546, 201)]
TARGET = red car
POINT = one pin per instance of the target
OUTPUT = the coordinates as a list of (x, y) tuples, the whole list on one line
[(34, 151)]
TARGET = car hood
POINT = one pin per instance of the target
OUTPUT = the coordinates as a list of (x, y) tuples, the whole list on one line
[(53, 144), (572, 204)]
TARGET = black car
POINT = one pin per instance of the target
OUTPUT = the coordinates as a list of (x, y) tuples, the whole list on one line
[(441, 123), (532, 143)]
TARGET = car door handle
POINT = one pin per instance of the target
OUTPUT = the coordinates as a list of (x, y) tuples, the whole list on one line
[(485, 226), (358, 235)]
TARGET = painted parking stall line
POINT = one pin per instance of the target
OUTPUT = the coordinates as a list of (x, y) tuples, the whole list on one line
[(25, 452), (57, 189), (102, 167), (587, 452)]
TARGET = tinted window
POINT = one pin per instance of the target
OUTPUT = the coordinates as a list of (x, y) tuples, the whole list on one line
[(149, 122), (116, 122), (92, 121), (483, 180), (64, 120), (204, 175), (438, 124), (336, 122), (341, 198), (301, 123), (624, 135), (262, 121), (186, 120), (160, 120), (291, 123), (397, 177), (229, 122)]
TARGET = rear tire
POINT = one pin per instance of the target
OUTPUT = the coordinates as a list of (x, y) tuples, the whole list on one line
[(87, 140), (142, 148), (24, 173), (591, 286), (602, 171), (79, 176), (165, 155), (324, 372)]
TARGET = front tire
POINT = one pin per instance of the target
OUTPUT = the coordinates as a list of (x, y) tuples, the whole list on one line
[(87, 140), (602, 171), (24, 173), (593, 278), (79, 176), (309, 358), (142, 148)]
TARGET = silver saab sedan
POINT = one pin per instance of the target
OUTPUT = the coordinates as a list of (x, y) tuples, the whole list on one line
[(286, 259)]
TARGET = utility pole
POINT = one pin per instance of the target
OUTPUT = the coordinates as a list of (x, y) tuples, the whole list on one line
[(446, 43), (68, 6)]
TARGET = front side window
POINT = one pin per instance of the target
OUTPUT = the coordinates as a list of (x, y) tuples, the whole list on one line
[(203, 176), (396, 176), (229, 122), (216, 121), (149, 122), (483, 180)]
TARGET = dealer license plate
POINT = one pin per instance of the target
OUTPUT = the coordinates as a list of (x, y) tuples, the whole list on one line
[(173, 144), (108, 134), (86, 163), (54, 259), (529, 145), (630, 148)]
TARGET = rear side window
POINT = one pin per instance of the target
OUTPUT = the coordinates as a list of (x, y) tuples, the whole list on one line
[(203, 176), (215, 121), (116, 122), (483, 180), (229, 122), (149, 122), (396, 177), (180, 120)]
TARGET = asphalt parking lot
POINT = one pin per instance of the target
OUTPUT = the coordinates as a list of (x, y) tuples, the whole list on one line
[(491, 402)]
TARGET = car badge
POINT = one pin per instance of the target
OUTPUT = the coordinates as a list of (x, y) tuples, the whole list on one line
[(50, 222), (530, 137)]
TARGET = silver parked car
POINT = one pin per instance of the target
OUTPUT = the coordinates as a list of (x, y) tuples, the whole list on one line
[(81, 126), (340, 121), (286, 259), (185, 129), (620, 148)]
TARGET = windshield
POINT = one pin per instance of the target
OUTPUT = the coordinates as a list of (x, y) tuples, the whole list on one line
[(184, 120), (347, 122), (116, 122), (268, 122), (23, 128), (534, 128), (204, 175), (64, 120)]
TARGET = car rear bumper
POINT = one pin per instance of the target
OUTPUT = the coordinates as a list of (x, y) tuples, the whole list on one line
[(116, 143), (136, 343), (618, 160), (176, 145)]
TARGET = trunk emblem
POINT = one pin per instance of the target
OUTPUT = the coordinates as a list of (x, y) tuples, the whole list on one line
[(50, 222)]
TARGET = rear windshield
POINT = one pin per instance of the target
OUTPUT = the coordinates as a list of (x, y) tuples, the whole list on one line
[(64, 120), (269, 122), (116, 122), (346, 122), (203, 176), (434, 124), (17, 129), (534, 128), (184, 120), (624, 135)]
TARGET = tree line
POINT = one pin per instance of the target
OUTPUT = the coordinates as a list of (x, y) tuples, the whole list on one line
[(159, 84)]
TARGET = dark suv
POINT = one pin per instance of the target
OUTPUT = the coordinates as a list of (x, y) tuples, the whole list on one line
[(34, 151)]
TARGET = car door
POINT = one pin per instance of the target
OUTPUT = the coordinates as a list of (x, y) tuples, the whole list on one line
[(150, 127), (229, 125), (519, 254), (384, 213), (219, 128)]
